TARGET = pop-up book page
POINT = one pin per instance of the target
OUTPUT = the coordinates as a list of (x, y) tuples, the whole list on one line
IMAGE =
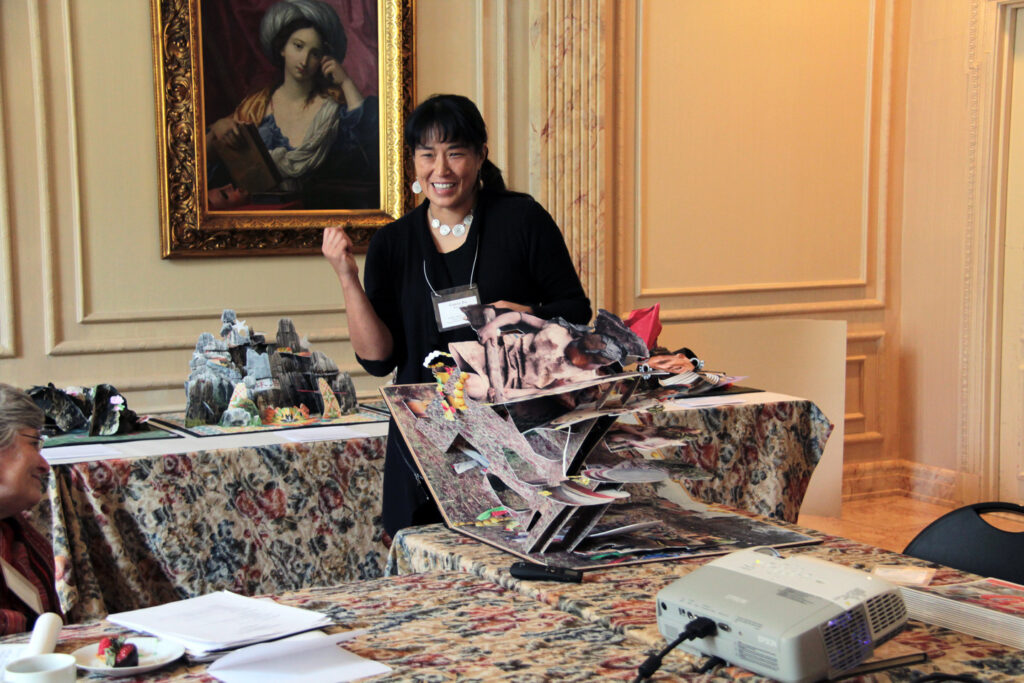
[(536, 493)]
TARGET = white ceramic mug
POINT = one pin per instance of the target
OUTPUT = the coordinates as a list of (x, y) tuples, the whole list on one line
[(51, 668)]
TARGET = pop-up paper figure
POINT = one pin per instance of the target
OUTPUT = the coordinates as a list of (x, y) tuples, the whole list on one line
[(515, 472)]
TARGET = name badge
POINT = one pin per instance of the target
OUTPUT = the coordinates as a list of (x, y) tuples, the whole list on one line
[(448, 305), (21, 586)]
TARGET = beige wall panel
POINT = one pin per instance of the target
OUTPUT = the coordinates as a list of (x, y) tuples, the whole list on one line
[(446, 48), (754, 148)]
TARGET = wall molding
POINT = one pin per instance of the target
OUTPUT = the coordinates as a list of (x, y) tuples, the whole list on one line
[(937, 485), (83, 347), (859, 438), (44, 178), (745, 288), (858, 363), (990, 50), (7, 293), (208, 314), (865, 336), (676, 315)]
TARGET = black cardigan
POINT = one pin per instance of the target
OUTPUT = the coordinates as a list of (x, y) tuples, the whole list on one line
[(522, 258)]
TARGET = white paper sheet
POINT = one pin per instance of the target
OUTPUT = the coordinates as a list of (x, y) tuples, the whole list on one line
[(59, 454), (221, 620), (333, 433), (306, 658)]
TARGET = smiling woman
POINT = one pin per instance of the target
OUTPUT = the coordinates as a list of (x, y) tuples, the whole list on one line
[(471, 241), (26, 558)]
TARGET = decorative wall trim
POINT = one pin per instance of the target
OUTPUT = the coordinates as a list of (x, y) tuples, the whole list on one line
[(72, 163), (207, 314), (769, 310), (856, 362), (988, 61), (900, 477), (567, 72), (7, 293), (866, 336), (742, 288), (77, 348), (860, 438), (44, 178), (879, 165)]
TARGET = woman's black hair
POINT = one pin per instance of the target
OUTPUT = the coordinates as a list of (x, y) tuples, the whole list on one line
[(453, 118)]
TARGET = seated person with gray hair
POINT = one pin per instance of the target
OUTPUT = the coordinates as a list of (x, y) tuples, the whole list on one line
[(26, 558)]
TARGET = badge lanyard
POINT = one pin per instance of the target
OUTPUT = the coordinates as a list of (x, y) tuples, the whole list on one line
[(448, 303)]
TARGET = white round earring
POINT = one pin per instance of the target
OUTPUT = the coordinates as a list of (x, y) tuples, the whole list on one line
[(416, 187)]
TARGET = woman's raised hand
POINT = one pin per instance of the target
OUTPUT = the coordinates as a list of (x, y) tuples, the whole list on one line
[(336, 74), (337, 248), (333, 70)]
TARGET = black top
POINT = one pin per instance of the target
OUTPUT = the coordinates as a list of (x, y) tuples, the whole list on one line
[(520, 257)]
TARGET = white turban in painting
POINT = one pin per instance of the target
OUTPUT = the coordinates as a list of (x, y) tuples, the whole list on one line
[(323, 17)]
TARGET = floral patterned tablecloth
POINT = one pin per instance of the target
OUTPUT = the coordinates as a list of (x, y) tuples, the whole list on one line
[(760, 455), (139, 531), (446, 627), (129, 533), (622, 599)]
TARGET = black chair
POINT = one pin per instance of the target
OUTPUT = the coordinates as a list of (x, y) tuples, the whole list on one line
[(963, 540)]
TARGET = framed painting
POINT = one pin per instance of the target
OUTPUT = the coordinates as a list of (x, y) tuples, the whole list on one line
[(276, 118)]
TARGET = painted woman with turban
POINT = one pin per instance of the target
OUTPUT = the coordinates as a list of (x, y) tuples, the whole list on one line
[(320, 131)]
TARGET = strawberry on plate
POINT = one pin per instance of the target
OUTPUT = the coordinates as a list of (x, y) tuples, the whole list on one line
[(108, 649), (127, 655), (106, 643)]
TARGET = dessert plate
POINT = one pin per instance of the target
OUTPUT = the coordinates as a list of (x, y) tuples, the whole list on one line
[(153, 654)]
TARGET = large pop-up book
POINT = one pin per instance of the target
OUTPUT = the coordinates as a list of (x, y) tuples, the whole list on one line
[(519, 443)]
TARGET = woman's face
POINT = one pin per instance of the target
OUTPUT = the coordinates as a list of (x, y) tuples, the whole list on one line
[(676, 363), (23, 473), (448, 173), (303, 53)]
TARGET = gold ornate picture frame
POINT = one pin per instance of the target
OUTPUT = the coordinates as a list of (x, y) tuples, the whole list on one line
[(190, 226)]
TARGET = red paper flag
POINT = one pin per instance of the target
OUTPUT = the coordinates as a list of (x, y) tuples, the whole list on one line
[(646, 323)]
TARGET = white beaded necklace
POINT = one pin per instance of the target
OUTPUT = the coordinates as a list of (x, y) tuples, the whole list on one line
[(458, 230)]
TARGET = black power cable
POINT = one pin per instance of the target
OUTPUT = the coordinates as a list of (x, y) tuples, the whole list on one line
[(701, 627)]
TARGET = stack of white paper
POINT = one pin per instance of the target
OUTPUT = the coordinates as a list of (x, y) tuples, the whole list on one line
[(220, 621), (987, 608), (305, 658)]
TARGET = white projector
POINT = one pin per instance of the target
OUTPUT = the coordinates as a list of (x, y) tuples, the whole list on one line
[(797, 619)]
